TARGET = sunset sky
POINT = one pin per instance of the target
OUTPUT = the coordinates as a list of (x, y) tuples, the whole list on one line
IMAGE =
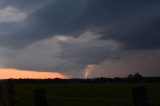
[(79, 38), (15, 73)]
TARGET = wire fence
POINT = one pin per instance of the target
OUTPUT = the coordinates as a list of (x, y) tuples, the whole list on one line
[(26, 102), (20, 100)]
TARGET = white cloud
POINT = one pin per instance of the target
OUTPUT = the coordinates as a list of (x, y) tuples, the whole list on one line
[(88, 39), (11, 14)]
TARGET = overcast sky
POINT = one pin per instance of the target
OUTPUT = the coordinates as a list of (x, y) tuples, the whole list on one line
[(77, 37)]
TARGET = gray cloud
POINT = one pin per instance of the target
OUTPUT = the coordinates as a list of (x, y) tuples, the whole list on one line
[(132, 25), (64, 53), (24, 5), (145, 62)]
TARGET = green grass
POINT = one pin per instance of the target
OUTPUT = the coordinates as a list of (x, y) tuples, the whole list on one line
[(83, 94)]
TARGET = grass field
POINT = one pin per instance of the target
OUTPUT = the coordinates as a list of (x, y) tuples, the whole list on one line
[(84, 94)]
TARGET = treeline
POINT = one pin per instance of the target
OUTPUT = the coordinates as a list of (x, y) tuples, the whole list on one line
[(136, 78)]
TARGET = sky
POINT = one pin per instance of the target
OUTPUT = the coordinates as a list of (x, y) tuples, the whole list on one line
[(79, 38)]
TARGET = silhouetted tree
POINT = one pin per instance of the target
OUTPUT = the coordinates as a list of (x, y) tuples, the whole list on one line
[(130, 76), (138, 76)]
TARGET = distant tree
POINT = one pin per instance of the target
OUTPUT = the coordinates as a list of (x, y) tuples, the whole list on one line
[(138, 76), (134, 78), (130, 76)]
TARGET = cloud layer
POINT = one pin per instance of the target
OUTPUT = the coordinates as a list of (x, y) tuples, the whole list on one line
[(68, 36), (144, 62)]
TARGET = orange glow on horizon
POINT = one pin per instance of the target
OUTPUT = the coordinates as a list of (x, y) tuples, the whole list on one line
[(7, 73)]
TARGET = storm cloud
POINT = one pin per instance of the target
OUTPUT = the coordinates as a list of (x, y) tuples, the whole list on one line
[(67, 36)]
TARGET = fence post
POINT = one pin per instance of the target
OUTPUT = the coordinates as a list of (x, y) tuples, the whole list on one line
[(139, 95), (11, 95), (0, 92), (40, 97)]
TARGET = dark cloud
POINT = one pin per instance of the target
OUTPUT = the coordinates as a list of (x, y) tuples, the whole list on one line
[(143, 35), (132, 25), (125, 21)]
